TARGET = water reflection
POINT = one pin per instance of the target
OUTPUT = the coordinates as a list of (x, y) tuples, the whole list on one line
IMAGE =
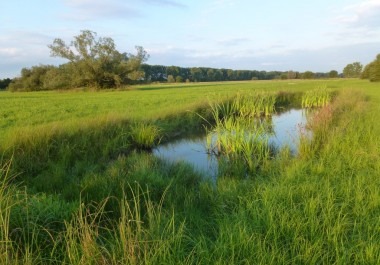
[(284, 129)]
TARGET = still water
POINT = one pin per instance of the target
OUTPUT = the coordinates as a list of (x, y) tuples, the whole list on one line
[(286, 129)]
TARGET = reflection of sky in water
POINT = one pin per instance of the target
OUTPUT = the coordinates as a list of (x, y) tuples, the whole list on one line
[(286, 128), (192, 151)]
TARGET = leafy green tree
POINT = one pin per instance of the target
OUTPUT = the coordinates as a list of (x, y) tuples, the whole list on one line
[(333, 74), (284, 76), (308, 75), (97, 63), (211, 75), (172, 70), (372, 70), (231, 75), (179, 79), (353, 70), (197, 74), (31, 79), (291, 75), (171, 79)]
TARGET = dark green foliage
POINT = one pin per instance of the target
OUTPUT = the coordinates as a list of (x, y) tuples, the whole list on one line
[(4, 83), (160, 73), (333, 74)]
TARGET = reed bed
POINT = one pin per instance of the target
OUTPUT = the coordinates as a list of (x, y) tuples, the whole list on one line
[(316, 98), (255, 105), (238, 133)]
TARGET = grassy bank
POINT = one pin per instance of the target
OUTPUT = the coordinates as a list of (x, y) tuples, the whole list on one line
[(321, 207)]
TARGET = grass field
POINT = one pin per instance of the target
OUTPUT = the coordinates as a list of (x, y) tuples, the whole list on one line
[(74, 190)]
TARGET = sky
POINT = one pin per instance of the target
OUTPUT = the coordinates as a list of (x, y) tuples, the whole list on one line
[(298, 35)]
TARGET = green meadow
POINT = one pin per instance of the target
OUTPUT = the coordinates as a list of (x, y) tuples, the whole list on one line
[(79, 184)]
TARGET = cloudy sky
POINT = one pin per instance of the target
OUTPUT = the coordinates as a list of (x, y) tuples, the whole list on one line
[(294, 35)]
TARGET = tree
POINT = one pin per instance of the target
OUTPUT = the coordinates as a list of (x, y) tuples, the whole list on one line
[(172, 70), (284, 76), (353, 70), (308, 75), (291, 75), (333, 74), (171, 79), (4, 83), (97, 63), (197, 74), (31, 79), (211, 75), (372, 70)]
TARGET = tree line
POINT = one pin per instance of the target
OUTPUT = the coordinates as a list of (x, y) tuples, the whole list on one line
[(94, 62), (171, 74)]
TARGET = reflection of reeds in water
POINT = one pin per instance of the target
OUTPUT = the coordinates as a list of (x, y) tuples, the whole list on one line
[(319, 97)]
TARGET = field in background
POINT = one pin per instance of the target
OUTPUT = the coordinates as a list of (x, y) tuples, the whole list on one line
[(20, 110), (73, 194)]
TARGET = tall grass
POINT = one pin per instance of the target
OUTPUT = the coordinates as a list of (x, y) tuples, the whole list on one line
[(6, 203), (237, 134), (319, 97), (145, 136), (255, 105)]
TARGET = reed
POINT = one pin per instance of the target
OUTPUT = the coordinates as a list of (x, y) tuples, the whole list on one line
[(316, 98), (238, 133), (145, 136), (255, 104)]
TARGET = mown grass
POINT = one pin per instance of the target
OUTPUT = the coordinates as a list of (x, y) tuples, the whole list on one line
[(321, 207)]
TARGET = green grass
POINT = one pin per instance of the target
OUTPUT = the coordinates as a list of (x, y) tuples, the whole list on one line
[(97, 205), (21, 111)]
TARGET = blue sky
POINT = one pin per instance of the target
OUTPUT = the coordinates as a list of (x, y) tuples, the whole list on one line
[(294, 35)]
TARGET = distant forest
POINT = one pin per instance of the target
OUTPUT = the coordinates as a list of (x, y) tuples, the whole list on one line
[(171, 74), (94, 62), (49, 77)]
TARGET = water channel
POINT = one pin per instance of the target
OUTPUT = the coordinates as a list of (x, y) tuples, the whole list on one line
[(286, 128)]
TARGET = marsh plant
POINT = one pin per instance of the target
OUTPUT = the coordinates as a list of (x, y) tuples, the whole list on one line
[(316, 98), (144, 135), (255, 105), (239, 134)]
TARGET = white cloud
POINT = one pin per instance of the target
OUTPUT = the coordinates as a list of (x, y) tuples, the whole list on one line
[(9, 52), (19, 49), (365, 15)]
